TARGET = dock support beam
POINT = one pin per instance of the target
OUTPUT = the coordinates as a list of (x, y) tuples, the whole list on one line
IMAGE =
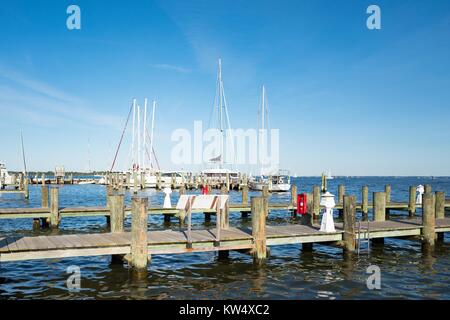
[(259, 229), (428, 188), (139, 242), (349, 235), (54, 208), (428, 220)]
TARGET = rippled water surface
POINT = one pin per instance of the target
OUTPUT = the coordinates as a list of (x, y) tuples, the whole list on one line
[(289, 272)]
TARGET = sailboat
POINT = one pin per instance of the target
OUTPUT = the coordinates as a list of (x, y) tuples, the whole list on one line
[(329, 176), (89, 171), (218, 173), (139, 152), (278, 181)]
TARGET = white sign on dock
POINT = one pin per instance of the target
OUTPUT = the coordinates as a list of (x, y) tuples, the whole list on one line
[(203, 201)]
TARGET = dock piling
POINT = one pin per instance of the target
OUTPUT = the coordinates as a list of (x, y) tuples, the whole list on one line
[(44, 196), (244, 200), (294, 196), (440, 205), (349, 235), (225, 217), (135, 182), (379, 206), (259, 228), (54, 208), (341, 193), (265, 195), (26, 190), (117, 212), (379, 211), (245, 195), (387, 190), (412, 201), (139, 241), (316, 202), (365, 202), (428, 220)]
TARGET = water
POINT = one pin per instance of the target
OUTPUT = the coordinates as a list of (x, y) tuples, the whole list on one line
[(289, 273)]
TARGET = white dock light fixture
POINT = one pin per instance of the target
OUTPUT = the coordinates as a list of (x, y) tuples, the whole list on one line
[(420, 190), (327, 224), (167, 204)]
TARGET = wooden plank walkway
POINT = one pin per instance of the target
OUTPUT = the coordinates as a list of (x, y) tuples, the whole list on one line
[(175, 241)]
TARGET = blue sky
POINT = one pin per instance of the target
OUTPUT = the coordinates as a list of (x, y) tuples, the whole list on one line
[(345, 98)]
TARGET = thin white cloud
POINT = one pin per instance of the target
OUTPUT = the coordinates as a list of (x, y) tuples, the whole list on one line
[(30, 95), (170, 67)]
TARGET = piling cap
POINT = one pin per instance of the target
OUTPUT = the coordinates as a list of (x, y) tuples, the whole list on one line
[(327, 200)]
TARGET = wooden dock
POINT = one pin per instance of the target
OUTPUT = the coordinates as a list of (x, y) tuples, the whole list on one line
[(173, 241), (137, 246), (51, 210)]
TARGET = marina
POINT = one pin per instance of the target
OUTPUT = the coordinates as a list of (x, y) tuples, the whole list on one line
[(71, 239), (230, 151)]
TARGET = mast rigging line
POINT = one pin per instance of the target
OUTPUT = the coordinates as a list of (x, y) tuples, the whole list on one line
[(121, 138)]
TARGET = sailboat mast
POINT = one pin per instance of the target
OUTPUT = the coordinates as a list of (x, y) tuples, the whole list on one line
[(220, 112), (151, 134), (133, 154), (139, 135), (263, 108), (145, 130), (89, 156), (23, 154)]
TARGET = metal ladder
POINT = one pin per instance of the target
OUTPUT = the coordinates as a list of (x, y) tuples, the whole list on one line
[(360, 239)]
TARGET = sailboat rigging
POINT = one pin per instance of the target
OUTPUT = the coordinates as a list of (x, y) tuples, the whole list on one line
[(280, 180)]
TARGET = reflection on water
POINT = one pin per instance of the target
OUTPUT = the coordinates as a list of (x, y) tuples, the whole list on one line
[(289, 273)]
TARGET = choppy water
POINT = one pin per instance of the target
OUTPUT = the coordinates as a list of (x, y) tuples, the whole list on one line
[(289, 273)]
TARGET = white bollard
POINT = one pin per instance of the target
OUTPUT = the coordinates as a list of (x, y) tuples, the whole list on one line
[(420, 189), (327, 224), (167, 204)]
